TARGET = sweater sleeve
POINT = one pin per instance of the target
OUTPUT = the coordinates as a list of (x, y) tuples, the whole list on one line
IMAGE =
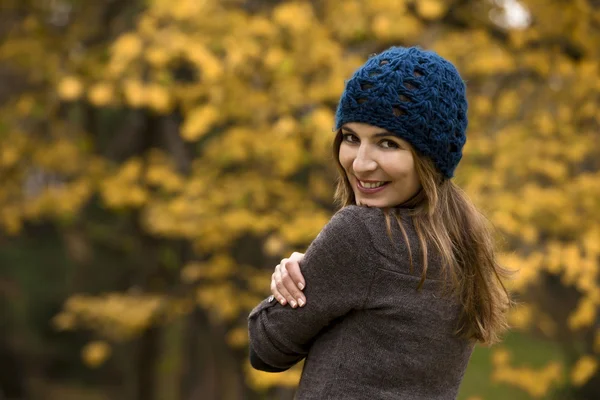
[(337, 281)]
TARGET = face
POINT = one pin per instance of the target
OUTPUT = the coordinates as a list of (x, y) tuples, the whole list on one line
[(379, 166)]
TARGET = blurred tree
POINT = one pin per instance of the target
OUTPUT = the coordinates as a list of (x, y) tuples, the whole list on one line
[(181, 148)]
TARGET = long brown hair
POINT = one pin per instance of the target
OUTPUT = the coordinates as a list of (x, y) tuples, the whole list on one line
[(444, 216)]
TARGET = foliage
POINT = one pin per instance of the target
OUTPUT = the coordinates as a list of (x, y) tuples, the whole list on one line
[(202, 130)]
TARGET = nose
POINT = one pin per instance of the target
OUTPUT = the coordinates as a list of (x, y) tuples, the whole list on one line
[(363, 162)]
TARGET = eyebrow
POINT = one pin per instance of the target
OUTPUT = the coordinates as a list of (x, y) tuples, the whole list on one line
[(376, 135)]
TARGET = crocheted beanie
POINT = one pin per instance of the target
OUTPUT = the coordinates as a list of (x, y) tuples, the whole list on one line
[(415, 94)]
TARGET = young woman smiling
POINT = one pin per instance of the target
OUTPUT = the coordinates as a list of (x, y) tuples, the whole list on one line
[(379, 166), (383, 310)]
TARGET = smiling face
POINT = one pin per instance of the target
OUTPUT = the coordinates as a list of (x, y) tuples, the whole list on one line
[(379, 166)]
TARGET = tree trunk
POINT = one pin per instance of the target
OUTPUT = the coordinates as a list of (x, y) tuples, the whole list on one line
[(199, 372), (146, 363), (211, 370)]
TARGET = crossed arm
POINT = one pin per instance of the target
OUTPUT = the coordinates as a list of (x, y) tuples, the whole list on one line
[(287, 283), (335, 281)]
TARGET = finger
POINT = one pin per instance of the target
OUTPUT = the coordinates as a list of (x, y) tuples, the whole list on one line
[(278, 272), (282, 289), (276, 293), (293, 268), (291, 285)]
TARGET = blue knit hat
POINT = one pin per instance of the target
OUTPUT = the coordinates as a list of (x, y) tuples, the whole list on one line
[(415, 94)]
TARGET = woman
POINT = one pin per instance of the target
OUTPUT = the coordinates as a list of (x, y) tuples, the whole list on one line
[(389, 310)]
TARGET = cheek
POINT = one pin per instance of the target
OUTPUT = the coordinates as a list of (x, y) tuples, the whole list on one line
[(404, 169), (345, 157), (410, 176)]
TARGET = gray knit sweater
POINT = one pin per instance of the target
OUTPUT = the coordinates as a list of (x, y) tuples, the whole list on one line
[(365, 331)]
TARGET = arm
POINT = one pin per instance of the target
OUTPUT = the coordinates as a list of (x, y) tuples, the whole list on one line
[(260, 365), (337, 281)]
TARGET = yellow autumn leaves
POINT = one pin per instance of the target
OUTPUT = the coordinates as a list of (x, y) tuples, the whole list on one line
[(134, 92), (117, 316), (124, 189), (584, 369), (248, 99), (539, 382), (95, 353), (535, 382), (70, 88), (199, 121)]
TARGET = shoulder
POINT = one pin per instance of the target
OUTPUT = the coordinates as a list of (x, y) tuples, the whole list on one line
[(373, 220), (365, 225), (369, 225), (358, 215), (347, 222), (354, 221), (346, 233), (381, 231)]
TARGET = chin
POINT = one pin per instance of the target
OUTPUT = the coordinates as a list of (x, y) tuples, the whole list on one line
[(366, 203)]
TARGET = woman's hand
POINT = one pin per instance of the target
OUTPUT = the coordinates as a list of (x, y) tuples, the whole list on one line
[(287, 282)]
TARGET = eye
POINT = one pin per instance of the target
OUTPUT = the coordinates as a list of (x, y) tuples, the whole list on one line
[(348, 137), (389, 144)]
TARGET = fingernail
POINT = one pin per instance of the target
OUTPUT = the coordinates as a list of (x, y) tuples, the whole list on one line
[(301, 302), (293, 303), (282, 301), (301, 286)]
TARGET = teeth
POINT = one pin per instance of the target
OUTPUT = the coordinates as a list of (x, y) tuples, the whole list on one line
[(369, 185)]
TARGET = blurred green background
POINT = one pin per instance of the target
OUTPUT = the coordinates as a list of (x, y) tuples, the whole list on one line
[(158, 158)]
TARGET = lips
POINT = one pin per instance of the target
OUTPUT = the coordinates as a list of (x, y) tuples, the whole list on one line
[(365, 190)]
